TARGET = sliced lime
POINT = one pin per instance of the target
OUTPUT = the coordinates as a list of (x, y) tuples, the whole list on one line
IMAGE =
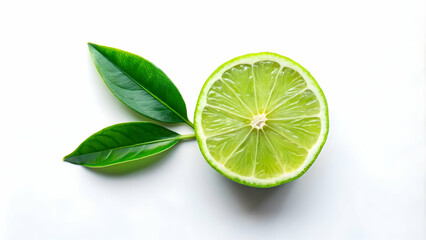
[(261, 120)]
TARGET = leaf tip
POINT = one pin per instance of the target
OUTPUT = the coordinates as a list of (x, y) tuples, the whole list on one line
[(91, 45), (65, 159), (68, 158)]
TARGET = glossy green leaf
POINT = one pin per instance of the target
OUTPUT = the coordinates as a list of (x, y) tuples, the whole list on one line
[(139, 84), (122, 143)]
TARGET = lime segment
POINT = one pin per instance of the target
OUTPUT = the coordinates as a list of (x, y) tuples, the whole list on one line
[(242, 160), (223, 145)]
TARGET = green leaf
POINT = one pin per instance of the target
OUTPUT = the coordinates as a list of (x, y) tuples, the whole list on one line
[(139, 84), (122, 143)]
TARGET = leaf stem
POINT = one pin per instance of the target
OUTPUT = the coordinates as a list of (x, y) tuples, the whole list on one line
[(189, 123), (188, 136)]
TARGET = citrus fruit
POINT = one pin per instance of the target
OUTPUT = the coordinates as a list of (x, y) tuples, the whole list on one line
[(261, 120)]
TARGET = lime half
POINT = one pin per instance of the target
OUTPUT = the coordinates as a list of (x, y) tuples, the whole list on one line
[(261, 120)]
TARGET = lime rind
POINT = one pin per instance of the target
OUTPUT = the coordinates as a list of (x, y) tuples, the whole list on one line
[(313, 152)]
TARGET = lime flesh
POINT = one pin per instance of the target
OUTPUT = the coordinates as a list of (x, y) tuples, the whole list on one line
[(261, 120)]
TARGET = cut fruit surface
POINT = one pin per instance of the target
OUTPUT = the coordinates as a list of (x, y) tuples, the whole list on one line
[(261, 120)]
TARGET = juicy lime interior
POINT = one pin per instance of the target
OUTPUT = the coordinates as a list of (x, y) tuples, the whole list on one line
[(259, 119)]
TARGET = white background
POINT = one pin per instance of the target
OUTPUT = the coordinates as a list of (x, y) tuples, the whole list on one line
[(367, 183)]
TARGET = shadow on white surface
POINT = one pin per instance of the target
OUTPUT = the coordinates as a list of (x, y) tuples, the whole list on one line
[(260, 201)]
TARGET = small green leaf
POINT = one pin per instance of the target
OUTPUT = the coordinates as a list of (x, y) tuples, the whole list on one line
[(139, 84), (122, 143)]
